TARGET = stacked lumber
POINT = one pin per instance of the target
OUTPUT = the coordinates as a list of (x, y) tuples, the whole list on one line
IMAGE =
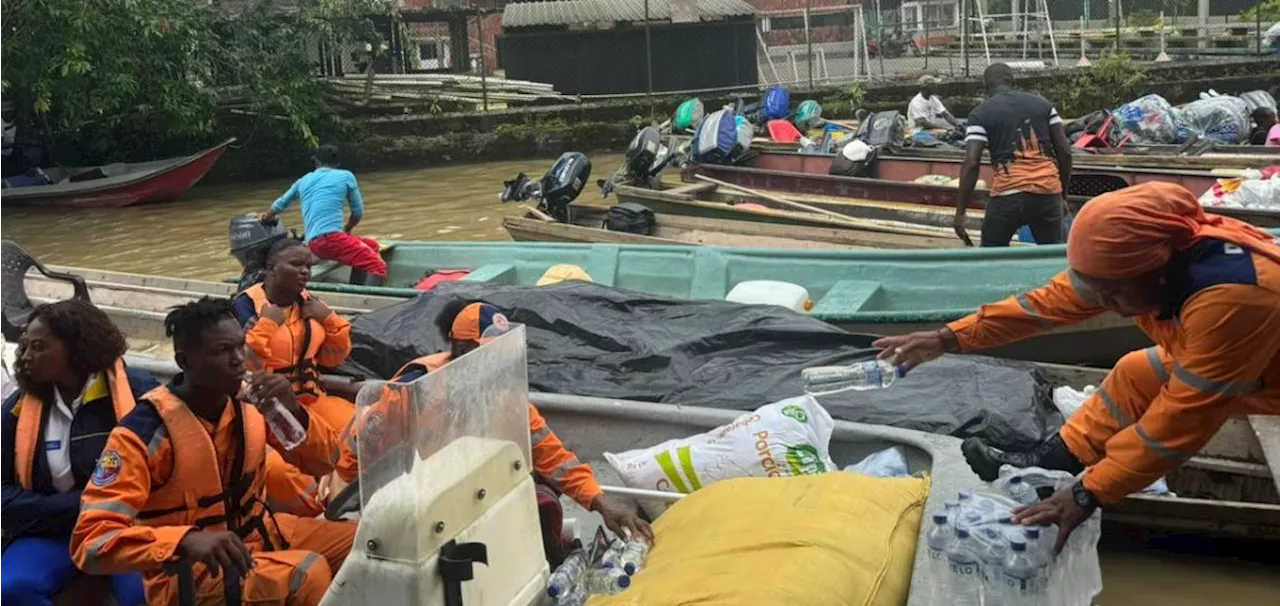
[(436, 91)]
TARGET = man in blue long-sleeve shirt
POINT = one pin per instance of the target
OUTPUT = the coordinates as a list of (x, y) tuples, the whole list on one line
[(324, 192)]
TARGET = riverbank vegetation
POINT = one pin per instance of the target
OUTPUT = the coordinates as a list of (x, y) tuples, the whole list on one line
[(139, 79)]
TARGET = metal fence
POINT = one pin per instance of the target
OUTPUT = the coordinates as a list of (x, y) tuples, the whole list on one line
[(651, 47), (884, 39)]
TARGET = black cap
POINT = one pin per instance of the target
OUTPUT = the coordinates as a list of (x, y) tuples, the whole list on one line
[(326, 154)]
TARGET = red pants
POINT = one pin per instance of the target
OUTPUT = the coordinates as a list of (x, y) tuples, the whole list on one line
[(353, 251)]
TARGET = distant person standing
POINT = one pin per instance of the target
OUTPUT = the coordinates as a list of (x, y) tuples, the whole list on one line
[(1031, 158), (324, 191)]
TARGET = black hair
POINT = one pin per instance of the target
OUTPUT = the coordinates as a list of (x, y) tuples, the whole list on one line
[(187, 322), (444, 320), (279, 247), (91, 340), (997, 74), (327, 154), (1263, 112)]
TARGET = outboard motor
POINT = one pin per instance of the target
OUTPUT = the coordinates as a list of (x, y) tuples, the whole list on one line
[(250, 240), (646, 157), (556, 189)]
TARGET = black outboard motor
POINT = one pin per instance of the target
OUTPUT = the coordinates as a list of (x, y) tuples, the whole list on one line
[(556, 189), (646, 157), (250, 240)]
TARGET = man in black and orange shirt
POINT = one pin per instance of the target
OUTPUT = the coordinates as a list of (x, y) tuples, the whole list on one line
[(1031, 161)]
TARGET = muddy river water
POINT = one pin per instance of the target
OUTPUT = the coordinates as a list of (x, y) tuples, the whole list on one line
[(188, 238)]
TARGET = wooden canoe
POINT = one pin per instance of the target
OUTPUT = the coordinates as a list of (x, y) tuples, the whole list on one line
[(122, 185), (587, 220), (709, 201), (807, 174)]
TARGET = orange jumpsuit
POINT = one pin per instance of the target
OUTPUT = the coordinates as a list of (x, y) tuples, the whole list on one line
[(1217, 354), (551, 460), (166, 472), (295, 348)]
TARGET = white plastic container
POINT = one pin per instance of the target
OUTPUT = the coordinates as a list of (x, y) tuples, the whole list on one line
[(771, 292)]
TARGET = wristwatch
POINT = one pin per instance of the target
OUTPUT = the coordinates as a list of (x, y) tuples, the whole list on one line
[(1083, 497)]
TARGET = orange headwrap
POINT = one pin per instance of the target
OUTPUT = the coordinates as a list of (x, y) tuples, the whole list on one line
[(1132, 231)]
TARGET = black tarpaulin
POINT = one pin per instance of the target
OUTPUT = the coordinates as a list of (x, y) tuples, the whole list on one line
[(592, 340)]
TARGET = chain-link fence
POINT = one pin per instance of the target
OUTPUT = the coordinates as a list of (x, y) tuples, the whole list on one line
[(825, 41), (489, 58)]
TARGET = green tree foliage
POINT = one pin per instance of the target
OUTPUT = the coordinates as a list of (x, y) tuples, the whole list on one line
[(121, 79), (1114, 76), (1270, 12)]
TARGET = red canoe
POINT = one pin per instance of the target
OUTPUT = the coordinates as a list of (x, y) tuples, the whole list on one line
[(120, 184)]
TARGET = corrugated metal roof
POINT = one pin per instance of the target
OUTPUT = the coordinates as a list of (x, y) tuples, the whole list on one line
[(565, 12)]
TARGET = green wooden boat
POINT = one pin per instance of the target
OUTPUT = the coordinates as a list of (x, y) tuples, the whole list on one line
[(870, 291)]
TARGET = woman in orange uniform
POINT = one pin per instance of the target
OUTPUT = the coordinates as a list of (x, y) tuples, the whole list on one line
[(1205, 288), (293, 333)]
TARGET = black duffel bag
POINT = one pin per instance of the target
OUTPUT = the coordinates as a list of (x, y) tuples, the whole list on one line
[(630, 217)]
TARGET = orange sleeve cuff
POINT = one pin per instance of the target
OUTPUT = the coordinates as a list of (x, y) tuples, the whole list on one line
[(167, 539), (1103, 484), (960, 329), (335, 322)]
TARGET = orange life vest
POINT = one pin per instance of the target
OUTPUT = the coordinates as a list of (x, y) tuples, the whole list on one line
[(431, 362), (30, 411), (195, 494), (294, 346)]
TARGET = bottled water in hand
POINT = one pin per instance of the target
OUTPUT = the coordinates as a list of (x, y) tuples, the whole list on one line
[(862, 376), (283, 425)]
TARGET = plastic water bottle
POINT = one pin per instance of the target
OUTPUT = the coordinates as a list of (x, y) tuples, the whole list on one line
[(632, 558), (1021, 491), (567, 575), (1026, 579), (863, 376), (577, 597), (965, 584), (937, 540), (951, 508), (612, 554), (283, 425), (993, 556), (607, 581)]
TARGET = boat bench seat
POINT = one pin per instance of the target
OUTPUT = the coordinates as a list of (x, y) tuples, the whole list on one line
[(846, 296), (493, 273)]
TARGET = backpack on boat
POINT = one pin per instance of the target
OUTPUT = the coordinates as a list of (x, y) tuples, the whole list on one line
[(631, 218), (719, 138), (883, 128), (775, 103), (855, 159)]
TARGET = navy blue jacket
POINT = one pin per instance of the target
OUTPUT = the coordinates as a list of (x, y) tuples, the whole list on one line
[(43, 511)]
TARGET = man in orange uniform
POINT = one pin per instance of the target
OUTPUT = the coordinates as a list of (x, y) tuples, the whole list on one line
[(468, 325), (181, 481), (1205, 288)]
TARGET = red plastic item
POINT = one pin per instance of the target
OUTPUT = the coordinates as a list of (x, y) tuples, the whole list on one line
[(434, 279), (781, 131)]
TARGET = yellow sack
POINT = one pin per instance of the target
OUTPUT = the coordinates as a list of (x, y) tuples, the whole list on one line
[(834, 539), (561, 273)]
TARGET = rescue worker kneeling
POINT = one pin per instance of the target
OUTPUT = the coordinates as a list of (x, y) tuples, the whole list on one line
[(181, 481), (469, 325)]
